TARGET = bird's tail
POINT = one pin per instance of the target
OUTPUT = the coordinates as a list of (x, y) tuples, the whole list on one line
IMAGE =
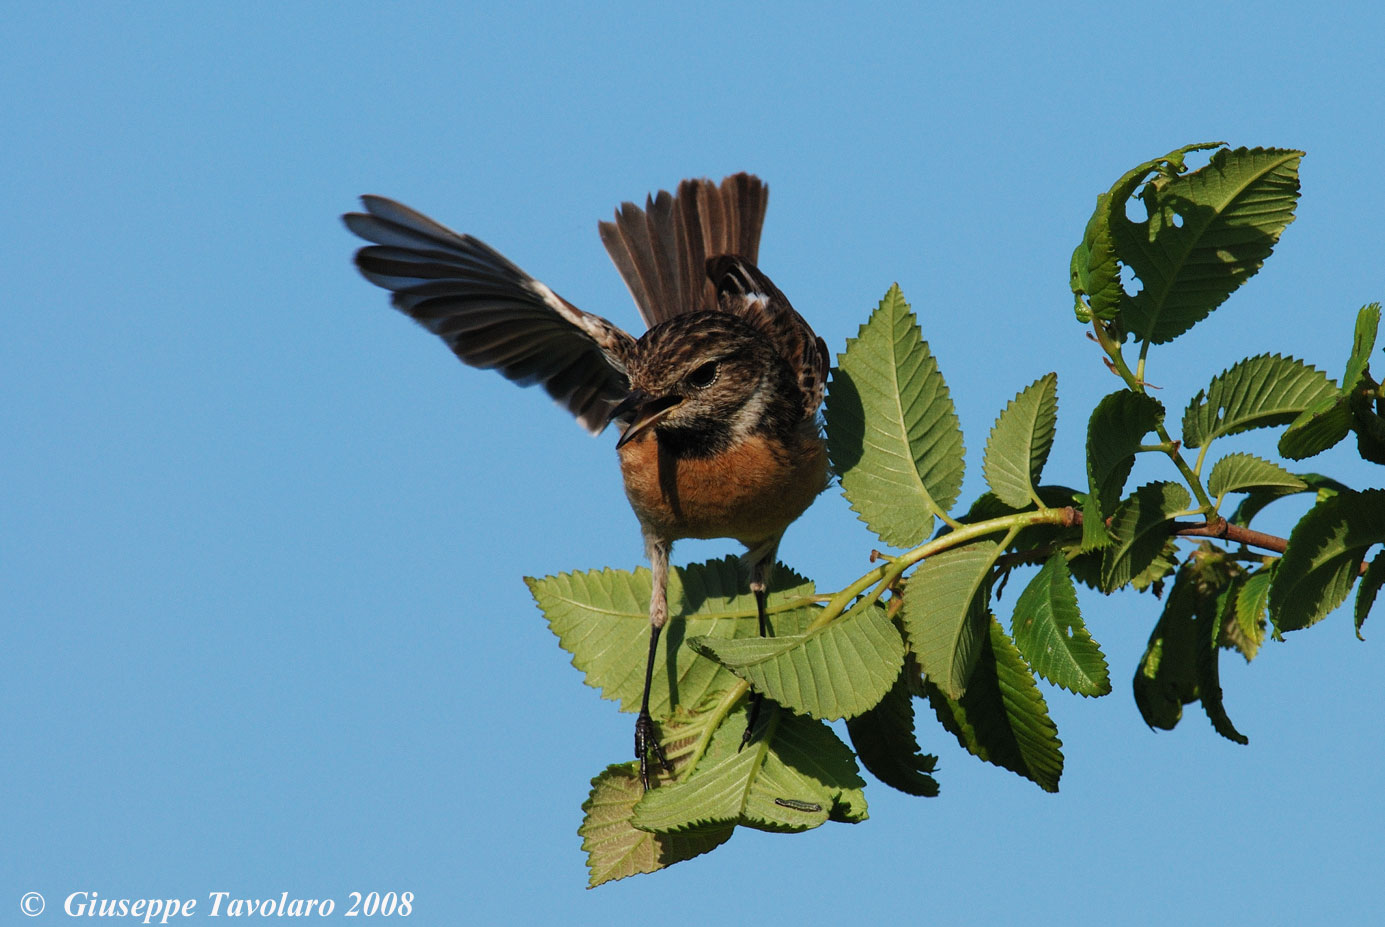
[(662, 250)]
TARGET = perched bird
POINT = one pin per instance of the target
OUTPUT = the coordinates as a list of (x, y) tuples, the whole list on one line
[(718, 399)]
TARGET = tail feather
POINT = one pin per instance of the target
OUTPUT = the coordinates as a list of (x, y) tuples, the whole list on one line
[(661, 251)]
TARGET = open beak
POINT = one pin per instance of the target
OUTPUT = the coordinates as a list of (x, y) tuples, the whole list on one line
[(645, 412)]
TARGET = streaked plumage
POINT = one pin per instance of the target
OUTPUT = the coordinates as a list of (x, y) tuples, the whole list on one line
[(719, 398)]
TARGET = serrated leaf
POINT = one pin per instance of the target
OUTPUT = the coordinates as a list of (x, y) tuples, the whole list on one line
[(602, 618), (945, 613), (1140, 528), (1362, 343), (794, 775), (1317, 428), (1254, 503), (892, 433), (1206, 233), (1252, 599), (885, 743), (1003, 718), (1020, 441), (1258, 392), (1094, 272), (1367, 422), (1166, 677), (1048, 630), (1243, 472), (836, 671), (1164, 563), (1095, 267), (1371, 582), (1324, 557), (1115, 431), (615, 848), (1209, 664)]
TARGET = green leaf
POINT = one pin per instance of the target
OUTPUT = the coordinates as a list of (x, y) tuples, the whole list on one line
[(1362, 343), (1048, 630), (1324, 557), (1140, 528), (945, 613), (1094, 272), (1252, 599), (885, 743), (1254, 503), (1164, 563), (1331, 418), (1368, 423), (1095, 267), (1242, 472), (1020, 442), (1166, 678), (1258, 392), (794, 775), (1371, 581), (1209, 664), (892, 432), (1206, 233), (1317, 428), (1115, 431), (602, 618), (1003, 718), (836, 671), (615, 848)]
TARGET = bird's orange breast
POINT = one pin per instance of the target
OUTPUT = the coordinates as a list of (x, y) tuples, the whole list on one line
[(751, 492)]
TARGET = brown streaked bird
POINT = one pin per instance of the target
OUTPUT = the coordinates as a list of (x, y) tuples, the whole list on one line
[(718, 399)]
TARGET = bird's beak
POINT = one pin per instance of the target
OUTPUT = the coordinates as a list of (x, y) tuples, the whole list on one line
[(645, 411)]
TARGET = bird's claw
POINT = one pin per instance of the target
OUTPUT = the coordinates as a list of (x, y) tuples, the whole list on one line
[(647, 742), (751, 719)]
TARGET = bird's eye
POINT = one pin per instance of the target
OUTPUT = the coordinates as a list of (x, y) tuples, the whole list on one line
[(703, 376)]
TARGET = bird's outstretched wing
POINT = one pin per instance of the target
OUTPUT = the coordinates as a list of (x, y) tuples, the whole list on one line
[(491, 313)]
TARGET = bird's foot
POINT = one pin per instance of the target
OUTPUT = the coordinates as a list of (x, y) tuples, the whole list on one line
[(752, 717), (647, 742)]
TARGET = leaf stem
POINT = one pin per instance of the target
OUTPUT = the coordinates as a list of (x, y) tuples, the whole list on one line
[(884, 576)]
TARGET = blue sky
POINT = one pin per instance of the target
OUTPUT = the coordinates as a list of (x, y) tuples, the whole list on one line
[(262, 539)]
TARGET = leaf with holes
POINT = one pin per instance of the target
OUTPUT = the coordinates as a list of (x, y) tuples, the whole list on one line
[(1095, 267), (1205, 234), (892, 433), (1048, 630), (1258, 392)]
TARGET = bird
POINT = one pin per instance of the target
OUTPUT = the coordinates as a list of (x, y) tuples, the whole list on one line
[(718, 401)]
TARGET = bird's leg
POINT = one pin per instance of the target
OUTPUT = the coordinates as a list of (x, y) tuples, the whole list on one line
[(646, 737), (759, 584)]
